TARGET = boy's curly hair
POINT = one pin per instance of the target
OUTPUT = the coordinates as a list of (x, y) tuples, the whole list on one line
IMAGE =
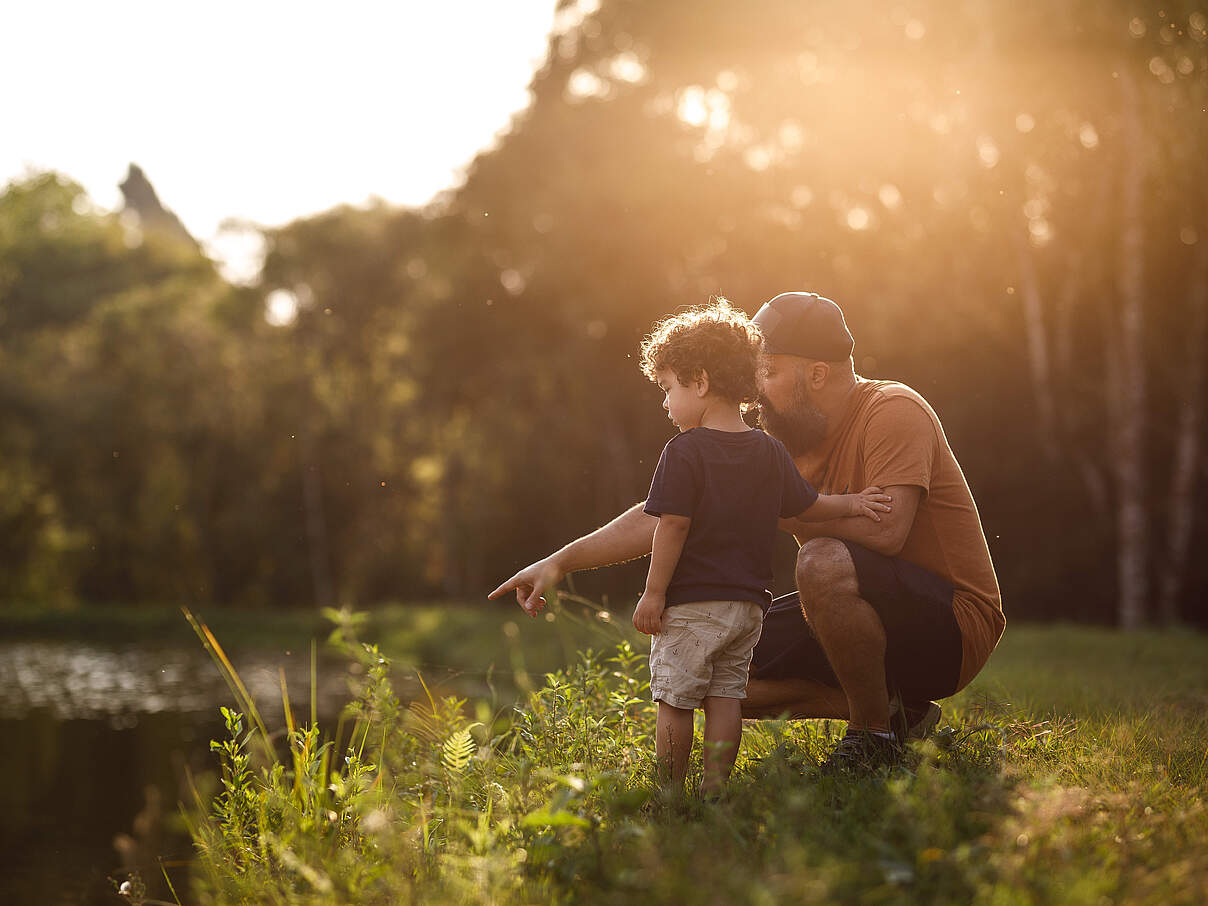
[(716, 338)]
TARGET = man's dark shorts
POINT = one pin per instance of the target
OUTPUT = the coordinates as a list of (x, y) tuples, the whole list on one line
[(923, 650)]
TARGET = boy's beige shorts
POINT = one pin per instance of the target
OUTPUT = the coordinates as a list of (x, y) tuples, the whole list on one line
[(704, 649)]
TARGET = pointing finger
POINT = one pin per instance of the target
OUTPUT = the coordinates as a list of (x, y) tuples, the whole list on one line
[(503, 589)]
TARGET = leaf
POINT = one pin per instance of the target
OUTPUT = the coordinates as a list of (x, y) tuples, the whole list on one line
[(543, 817), (458, 749)]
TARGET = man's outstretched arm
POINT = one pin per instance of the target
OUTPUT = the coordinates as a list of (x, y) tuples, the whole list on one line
[(626, 537)]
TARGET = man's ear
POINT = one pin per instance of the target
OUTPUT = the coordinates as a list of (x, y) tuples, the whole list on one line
[(816, 374), (701, 383)]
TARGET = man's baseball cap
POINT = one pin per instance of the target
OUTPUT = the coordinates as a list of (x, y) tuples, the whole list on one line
[(804, 324)]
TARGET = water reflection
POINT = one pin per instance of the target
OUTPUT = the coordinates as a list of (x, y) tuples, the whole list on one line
[(73, 681), (97, 742)]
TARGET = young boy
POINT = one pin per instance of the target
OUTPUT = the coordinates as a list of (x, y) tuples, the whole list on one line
[(718, 491)]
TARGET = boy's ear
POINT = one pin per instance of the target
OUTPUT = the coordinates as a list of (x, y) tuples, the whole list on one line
[(701, 382)]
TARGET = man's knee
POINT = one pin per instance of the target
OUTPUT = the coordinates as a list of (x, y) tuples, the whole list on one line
[(825, 571)]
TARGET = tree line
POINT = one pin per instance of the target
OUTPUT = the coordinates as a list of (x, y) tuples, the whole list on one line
[(1009, 203)]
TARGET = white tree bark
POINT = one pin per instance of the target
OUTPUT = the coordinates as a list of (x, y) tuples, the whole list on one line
[(1128, 426), (1038, 351)]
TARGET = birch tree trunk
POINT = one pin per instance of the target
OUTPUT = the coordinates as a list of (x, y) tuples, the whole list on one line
[(1128, 427), (1187, 446), (1038, 350)]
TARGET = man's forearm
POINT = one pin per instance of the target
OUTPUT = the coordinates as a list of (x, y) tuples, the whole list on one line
[(628, 536), (873, 535)]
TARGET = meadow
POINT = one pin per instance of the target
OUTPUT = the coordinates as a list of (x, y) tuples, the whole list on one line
[(1072, 771)]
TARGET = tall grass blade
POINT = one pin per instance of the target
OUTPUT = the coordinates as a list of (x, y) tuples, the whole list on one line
[(244, 698)]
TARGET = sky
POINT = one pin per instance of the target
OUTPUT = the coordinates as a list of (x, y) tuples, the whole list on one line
[(260, 110)]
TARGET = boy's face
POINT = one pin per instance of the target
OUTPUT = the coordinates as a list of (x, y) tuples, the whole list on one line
[(685, 403)]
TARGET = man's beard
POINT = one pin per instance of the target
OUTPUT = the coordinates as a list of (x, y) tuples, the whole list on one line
[(800, 426)]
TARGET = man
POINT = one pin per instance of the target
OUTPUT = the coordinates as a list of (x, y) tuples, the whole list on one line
[(908, 605)]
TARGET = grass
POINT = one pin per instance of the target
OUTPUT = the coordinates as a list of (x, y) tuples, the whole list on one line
[(1072, 771)]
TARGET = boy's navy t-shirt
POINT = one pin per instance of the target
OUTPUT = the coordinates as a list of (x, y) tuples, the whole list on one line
[(735, 486)]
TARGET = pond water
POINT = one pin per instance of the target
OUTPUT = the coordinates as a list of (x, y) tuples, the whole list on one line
[(96, 744)]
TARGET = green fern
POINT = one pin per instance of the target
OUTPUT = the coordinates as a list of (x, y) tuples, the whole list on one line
[(458, 749)]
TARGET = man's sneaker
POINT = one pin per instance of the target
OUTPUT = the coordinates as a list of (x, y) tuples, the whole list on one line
[(863, 752), (912, 722)]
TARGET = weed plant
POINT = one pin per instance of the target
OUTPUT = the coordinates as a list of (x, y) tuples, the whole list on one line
[(554, 800)]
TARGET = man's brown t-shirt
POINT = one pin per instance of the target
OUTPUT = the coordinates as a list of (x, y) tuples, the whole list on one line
[(888, 436)]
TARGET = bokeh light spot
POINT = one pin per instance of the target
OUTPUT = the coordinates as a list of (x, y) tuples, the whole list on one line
[(792, 136), (626, 67), (1160, 68), (513, 281), (801, 196), (572, 15), (987, 152), (858, 218), (1025, 123), (727, 81), (691, 108), (757, 158), (1035, 208), (1040, 232), (584, 84), (281, 308)]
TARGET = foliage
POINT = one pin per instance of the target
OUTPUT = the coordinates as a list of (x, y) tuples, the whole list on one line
[(556, 802), (457, 391)]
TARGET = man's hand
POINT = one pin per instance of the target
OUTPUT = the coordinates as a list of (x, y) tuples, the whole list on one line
[(648, 616), (531, 583), (870, 502)]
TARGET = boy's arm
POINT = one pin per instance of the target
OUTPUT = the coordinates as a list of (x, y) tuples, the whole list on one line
[(870, 502), (885, 537), (669, 537)]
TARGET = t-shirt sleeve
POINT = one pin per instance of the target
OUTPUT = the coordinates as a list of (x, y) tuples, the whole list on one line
[(796, 494), (675, 488), (900, 445)]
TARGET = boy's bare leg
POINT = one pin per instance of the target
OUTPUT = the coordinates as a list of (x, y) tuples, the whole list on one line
[(723, 731), (673, 744)]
